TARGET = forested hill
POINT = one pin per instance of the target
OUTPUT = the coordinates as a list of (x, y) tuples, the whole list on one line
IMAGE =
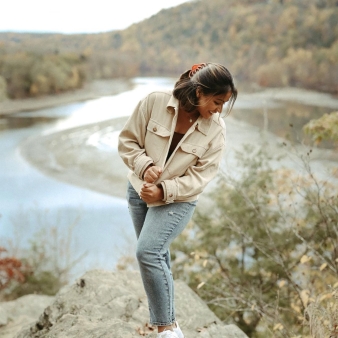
[(270, 42)]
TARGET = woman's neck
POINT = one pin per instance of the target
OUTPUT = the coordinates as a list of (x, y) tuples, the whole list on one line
[(185, 120)]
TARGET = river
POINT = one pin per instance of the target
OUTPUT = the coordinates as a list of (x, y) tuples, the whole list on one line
[(37, 208), (72, 221)]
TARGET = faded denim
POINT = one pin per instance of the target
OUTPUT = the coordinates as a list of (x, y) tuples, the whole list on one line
[(156, 228)]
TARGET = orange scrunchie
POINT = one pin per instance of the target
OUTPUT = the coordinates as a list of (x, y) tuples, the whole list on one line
[(195, 68)]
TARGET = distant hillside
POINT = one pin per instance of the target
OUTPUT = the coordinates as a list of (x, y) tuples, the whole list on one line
[(271, 42)]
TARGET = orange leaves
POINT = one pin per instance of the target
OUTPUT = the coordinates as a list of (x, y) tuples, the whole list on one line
[(145, 330), (11, 269)]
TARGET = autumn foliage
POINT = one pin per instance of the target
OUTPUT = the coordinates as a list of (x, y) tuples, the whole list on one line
[(273, 43), (265, 251), (11, 269), (324, 129)]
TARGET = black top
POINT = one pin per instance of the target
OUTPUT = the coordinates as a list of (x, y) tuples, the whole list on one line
[(174, 142)]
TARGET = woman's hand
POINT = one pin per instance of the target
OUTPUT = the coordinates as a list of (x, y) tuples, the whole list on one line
[(152, 174), (151, 193)]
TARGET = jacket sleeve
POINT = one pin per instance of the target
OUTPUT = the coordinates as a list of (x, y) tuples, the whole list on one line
[(131, 140), (197, 176)]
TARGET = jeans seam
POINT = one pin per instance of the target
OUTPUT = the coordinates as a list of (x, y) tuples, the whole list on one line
[(159, 255)]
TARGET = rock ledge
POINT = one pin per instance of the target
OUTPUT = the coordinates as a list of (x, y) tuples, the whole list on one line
[(112, 304)]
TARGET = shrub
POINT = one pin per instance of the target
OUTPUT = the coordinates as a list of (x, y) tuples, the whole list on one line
[(323, 129), (45, 266), (267, 249), (11, 269)]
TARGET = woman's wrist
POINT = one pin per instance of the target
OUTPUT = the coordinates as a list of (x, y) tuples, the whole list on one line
[(160, 186), (149, 166), (161, 192)]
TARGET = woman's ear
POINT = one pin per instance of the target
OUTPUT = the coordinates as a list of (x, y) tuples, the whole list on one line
[(198, 92)]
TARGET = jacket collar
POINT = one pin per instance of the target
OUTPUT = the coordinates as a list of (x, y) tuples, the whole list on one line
[(203, 125)]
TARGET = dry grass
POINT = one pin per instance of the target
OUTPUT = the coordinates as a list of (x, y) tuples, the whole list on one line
[(322, 315)]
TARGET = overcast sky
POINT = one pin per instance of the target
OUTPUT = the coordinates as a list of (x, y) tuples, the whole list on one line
[(77, 16)]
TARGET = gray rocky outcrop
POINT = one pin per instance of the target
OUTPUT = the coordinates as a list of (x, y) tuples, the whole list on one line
[(16, 314), (111, 304)]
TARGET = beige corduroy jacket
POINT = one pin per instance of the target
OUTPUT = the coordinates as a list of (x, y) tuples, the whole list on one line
[(145, 140)]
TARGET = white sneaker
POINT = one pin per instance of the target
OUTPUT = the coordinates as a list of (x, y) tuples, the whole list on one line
[(178, 331), (167, 334)]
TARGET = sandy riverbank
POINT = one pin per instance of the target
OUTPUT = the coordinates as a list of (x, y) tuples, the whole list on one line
[(69, 156)]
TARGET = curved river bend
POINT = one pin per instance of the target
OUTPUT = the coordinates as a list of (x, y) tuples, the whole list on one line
[(35, 207)]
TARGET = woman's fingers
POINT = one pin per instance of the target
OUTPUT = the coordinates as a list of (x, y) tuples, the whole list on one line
[(152, 174), (150, 193), (147, 187)]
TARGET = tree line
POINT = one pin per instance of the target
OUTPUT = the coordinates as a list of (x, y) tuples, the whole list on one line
[(271, 43)]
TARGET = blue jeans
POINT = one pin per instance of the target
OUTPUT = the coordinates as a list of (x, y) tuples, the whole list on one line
[(156, 228)]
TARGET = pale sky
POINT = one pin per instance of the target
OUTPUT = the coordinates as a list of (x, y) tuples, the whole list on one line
[(77, 16)]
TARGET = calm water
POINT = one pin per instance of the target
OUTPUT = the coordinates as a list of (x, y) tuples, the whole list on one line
[(283, 119), (38, 208)]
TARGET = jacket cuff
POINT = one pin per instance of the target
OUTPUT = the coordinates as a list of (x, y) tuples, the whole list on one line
[(141, 165), (169, 191)]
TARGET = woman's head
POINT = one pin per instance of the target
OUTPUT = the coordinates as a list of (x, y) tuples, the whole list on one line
[(204, 80)]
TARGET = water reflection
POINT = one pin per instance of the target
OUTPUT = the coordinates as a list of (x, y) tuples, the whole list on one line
[(284, 120), (41, 116), (17, 122)]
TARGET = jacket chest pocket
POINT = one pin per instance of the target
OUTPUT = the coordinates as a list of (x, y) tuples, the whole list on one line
[(186, 155), (193, 149), (156, 140)]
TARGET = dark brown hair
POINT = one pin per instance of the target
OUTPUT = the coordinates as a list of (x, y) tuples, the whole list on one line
[(211, 79)]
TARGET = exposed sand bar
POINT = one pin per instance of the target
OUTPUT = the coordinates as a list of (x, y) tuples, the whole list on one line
[(70, 157)]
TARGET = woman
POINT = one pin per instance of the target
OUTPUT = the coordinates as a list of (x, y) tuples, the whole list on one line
[(172, 144)]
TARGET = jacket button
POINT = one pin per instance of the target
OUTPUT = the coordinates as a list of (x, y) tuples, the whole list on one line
[(155, 129), (194, 150), (171, 195)]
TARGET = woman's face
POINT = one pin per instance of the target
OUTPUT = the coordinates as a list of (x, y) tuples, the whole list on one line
[(211, 104)]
